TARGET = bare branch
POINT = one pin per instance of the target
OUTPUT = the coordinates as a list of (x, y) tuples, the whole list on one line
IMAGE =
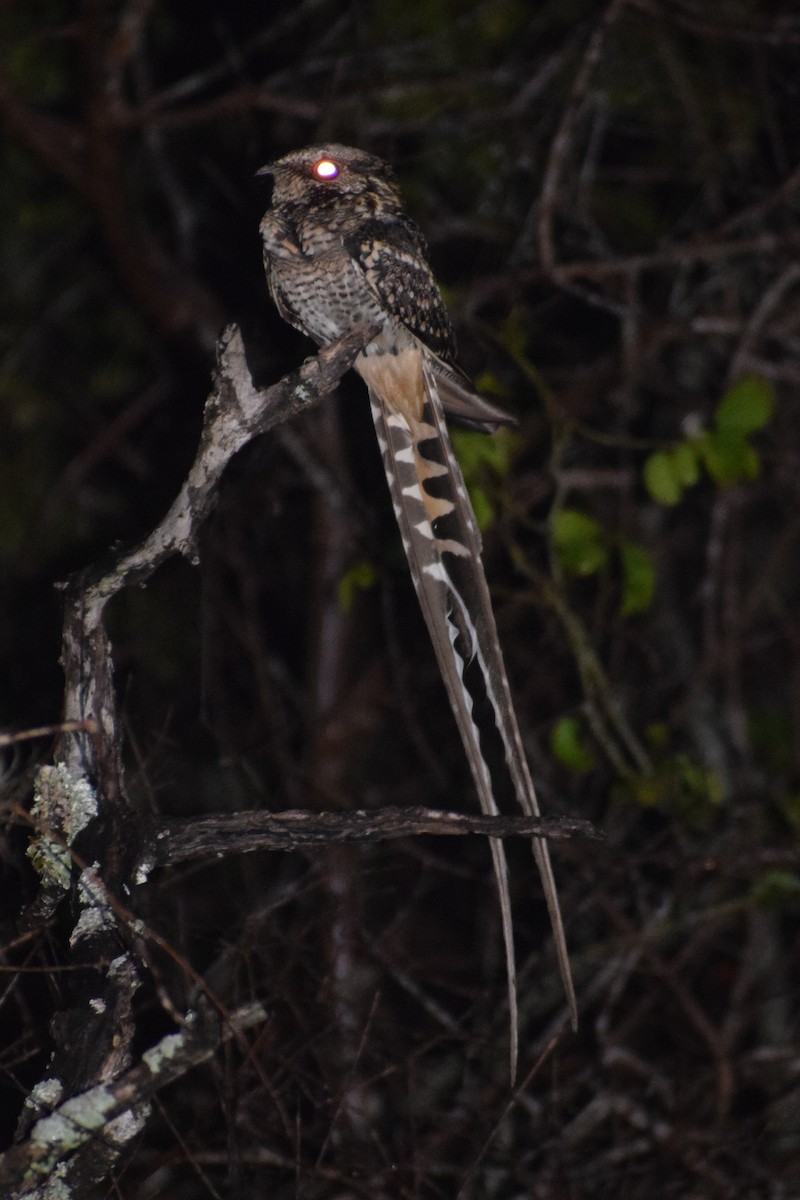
[(108, 1116), (243, 832), (236, 411), (82, 797)]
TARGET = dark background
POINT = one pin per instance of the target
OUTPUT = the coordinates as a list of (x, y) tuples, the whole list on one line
[(611, 197)]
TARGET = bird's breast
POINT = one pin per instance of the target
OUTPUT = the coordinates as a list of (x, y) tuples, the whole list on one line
[(326, 292)]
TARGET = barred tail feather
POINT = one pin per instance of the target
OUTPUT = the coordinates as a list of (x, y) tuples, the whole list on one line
[(434, 593), (443, 548), (469, 579)]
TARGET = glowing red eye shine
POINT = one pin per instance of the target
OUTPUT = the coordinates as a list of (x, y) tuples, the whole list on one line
[(326, 169)]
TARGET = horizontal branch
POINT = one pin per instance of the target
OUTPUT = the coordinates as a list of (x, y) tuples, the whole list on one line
[(241, 833)]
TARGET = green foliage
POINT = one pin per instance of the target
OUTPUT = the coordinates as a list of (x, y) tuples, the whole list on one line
[(677, 785), (680, 787), (776, 888), (583, 548), (359, 578), (724, 450), (485, 461), (568, 743), (489, 385), (661, 478), (579, 541), (747, 407), (514, 335), (638, 578), (729, 458), (668, 472)]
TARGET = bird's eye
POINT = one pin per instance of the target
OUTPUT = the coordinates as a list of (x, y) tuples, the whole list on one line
[(325, 169)]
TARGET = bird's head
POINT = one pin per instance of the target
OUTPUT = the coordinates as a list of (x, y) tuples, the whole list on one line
[(327, 171)]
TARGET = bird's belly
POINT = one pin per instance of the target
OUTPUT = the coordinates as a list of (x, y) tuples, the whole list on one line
[(327, 303)]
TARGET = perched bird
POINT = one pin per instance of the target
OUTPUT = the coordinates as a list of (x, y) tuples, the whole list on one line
[(341, 252)]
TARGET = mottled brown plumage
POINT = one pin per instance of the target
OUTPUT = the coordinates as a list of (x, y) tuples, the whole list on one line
[(340, 251)]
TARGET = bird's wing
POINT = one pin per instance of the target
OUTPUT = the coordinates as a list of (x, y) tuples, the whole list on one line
[(443, 547), (460, 400), (395, 265)]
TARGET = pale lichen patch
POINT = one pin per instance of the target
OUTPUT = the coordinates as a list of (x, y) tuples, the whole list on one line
[(63, 805), (167, 1048), (76, 1118)]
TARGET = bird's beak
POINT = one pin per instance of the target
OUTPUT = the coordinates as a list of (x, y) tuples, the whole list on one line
[(267, 170)]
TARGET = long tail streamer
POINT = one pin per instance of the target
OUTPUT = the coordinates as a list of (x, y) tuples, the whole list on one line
[(443, 547)]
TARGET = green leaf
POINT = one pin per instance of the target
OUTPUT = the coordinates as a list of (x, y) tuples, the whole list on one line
[(700, 791), (646, 791), (776, 888), (728, 457), (482, 507), (513, 335), (686, 790), (662, 479), (579, 541), (638, 578), (477, 451), (360, 577), (657, 734), (489, 385), (747, 406), (684, 463), (566, 742), (481, 457)]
